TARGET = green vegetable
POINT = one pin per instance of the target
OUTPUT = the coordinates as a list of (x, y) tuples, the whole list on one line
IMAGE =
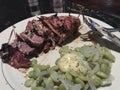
[(106, 82), (39, 80), (34, 62), (48, 83), (68, 76), (54, 68), (74, 74), (79, 81), (107, 54), (54, 76), (83, 78), (34, 84), (86, 87), (105, 69), (96, 80), (36, 72), (101, 74), (61, 87), (84, 68), (44, 67), (29, 82), (31, 74)]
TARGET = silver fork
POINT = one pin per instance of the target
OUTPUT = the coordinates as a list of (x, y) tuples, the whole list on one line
[(108, 29), (96, 27)]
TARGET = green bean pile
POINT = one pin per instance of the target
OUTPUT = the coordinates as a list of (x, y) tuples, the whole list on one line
[(98, 60)]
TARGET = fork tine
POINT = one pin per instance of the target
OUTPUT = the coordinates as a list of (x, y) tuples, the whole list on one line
[(109, 29), (90, 25), (13, 29), (84, 18), (94, 23)]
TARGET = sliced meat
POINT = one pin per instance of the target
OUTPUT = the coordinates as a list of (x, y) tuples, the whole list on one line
[(51, 27), (23, 47), (32, 39), (40, 27), (55, 21), (18, 60), (71, 23), (29, 26), (40, 35)]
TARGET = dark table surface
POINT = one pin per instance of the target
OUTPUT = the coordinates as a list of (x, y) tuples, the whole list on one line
[(108, 6), (12, 11), (104, 10)]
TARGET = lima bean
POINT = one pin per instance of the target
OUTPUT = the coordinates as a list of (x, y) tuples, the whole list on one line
[(34, 62), (61, 87), (79, 81), (44, 67), (105, 69), (96, 80), (54, 68), (86, 87), (83, 78), (39, 80), (29, 82), (73, 73), (68, 76), (31, 74), (101, 74)]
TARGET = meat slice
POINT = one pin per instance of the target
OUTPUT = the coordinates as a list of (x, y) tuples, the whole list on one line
[(18, 60), (51, 28), (29, 26), (71, 23), (32, 39), (39, 27), (56, 21), (23, 47)]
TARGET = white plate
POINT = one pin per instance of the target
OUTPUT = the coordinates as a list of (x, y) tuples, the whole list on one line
[(15, 79)]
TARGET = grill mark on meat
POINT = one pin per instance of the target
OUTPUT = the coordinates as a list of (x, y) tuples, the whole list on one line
[(39, 27), (23, 47), (56, 22), (33, 39), (29, 26), (51, 28)]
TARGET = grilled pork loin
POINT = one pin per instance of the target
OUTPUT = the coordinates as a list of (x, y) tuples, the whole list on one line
[(40, 35)]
